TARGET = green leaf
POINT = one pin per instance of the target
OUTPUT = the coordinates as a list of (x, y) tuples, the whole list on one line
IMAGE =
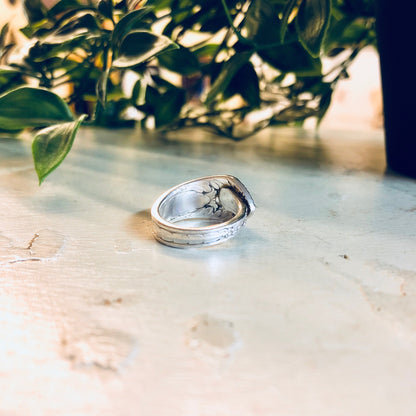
[(35, 29), (292, 57), (105, 7), (181, 61), (3, 33), (138, 95), (263, 27), (160, 4), (209, 18), (85, 19), (139, 46), (32, 107), (112, 115), (287, 12), (246, 83), (312, 22), (205, 52), (229, 69), (63, 6), (128, 23), (324, 104), (78, 30), (165, 107), (101, 87), (51, 145), (34, 10), (169, 107), (8, 70), (10, 78), (261, 23), (64, 38)]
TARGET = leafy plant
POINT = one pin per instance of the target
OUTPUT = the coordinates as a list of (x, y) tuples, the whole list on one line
[(236, 66)]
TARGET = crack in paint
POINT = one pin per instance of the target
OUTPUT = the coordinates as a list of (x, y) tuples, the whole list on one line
[(45, 245)]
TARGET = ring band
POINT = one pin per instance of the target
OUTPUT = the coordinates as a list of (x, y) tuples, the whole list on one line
[(201, 212)]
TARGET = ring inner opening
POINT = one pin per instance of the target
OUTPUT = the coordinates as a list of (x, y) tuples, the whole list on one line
[(192, 208)]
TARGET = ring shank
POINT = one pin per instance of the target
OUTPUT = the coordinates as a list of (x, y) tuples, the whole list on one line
[(201, 212)]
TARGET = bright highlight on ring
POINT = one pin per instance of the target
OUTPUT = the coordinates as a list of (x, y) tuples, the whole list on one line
[(201, 212)]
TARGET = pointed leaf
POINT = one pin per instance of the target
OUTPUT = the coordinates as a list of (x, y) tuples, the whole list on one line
[(63, 38), (101, 87), (229, 69), (34, 10), (32, 107), (324, 104), (263, 27), (245, 83), (127, 23), (51, 145), (106, 8), (170, 107), (312, 22), (206, 51), (287, 12), (182, 61), (292, 57), (138, 95), (85, 19), (63, 6), (3, 33), (165, 107), (139, 46)]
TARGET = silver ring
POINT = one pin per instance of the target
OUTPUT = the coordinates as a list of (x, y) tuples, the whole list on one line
[(201, 212)]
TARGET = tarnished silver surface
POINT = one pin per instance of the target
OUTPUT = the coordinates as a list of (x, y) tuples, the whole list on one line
[(201, 212)]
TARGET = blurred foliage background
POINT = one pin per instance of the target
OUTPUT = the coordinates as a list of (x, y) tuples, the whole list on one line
[(236, 66), (233, 66)]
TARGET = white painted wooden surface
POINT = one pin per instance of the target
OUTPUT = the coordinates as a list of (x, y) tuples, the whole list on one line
[(310, 310)]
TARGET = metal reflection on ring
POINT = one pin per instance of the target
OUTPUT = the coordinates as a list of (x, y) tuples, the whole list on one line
[(201, 212)]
